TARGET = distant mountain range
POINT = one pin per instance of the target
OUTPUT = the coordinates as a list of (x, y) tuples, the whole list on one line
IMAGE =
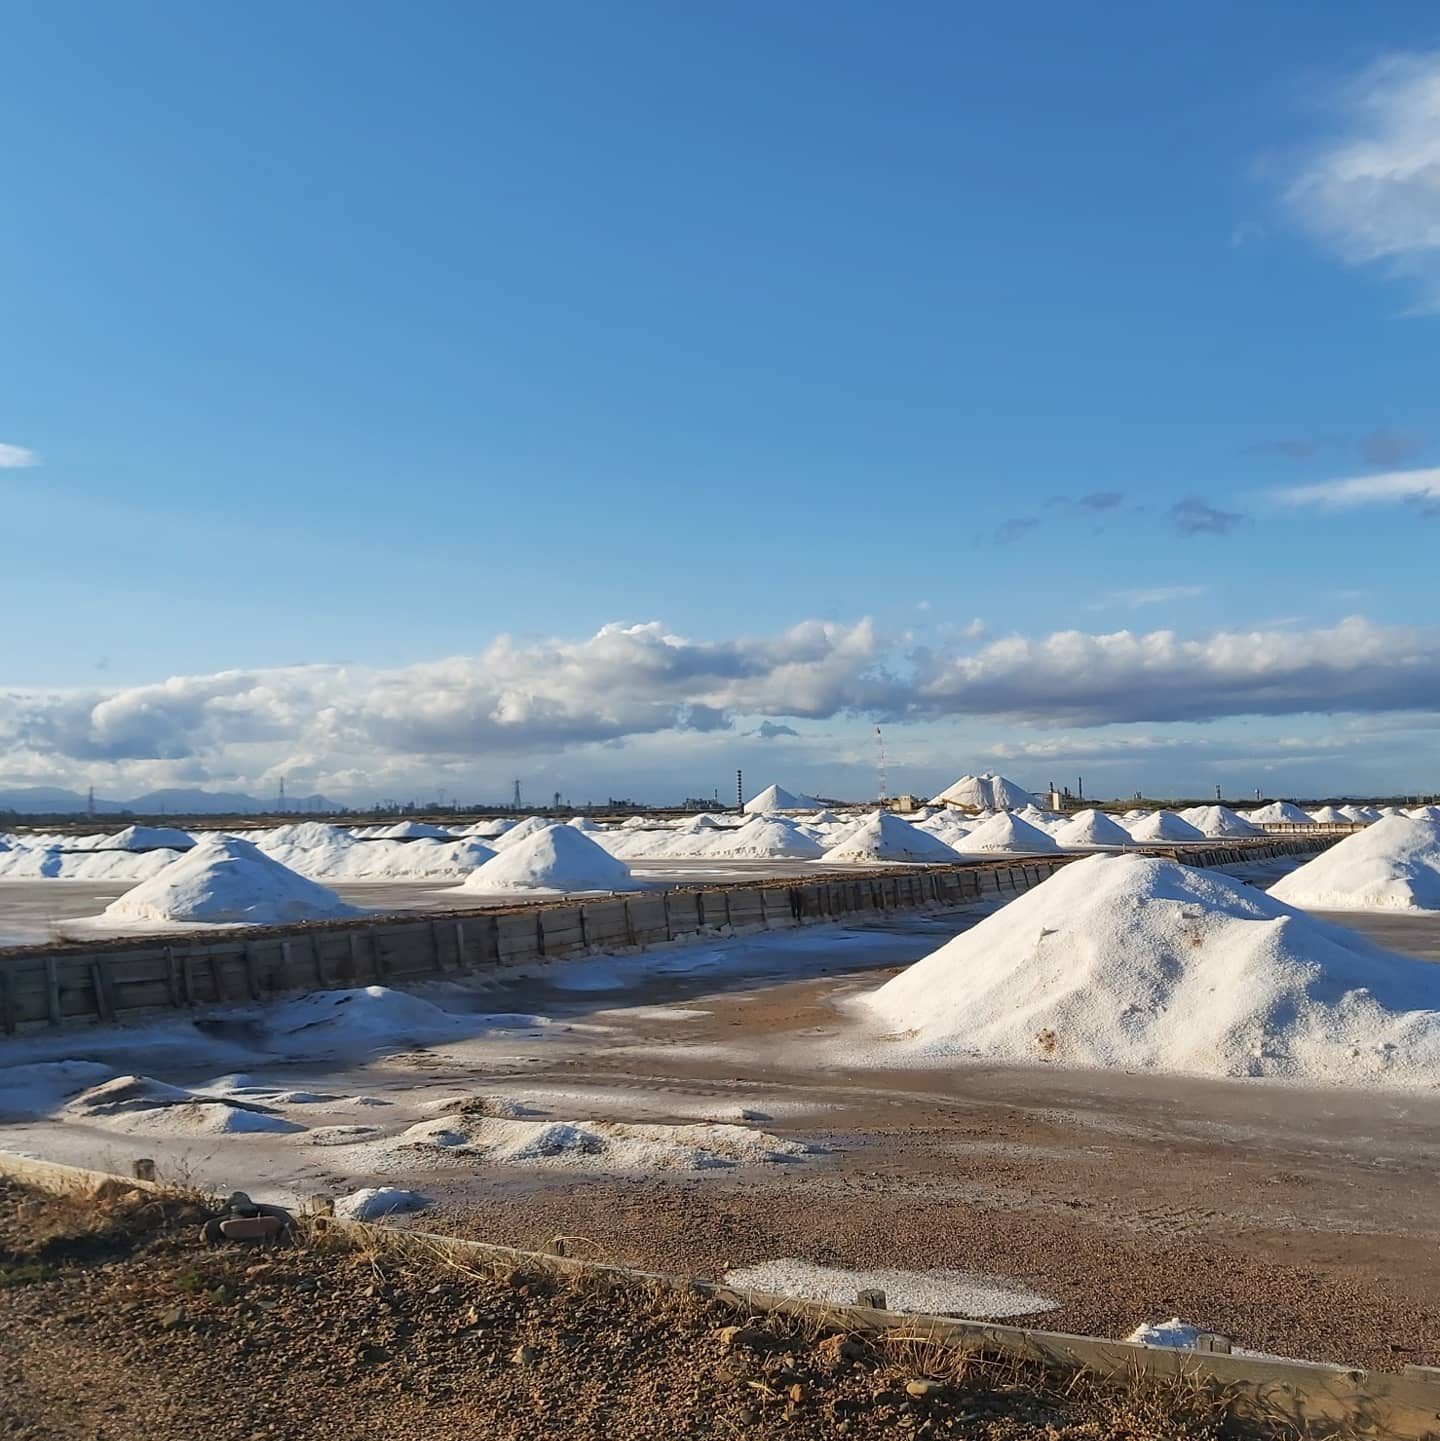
[(53, 800)]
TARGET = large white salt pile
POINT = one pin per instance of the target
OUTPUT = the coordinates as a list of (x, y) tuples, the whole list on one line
[(1330, 816), (987, 792), (763, 837), (1008, 833), (1392, 865), (1161, 826), (884, 836), (487, 830), (225, 881), (411, 831), (1218, 822), (1280, 812), (411, 860), (555, 858), (530, 826), (149, 838), (29, 863), (1146, 964), (1091, 828), (777, 798)]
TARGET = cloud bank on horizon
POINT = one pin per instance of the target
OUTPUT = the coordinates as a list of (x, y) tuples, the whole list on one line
[(350, 730)]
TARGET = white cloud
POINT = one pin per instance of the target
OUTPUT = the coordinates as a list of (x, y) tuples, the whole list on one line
[(1391, 488), (1372, 192), (642, 688), (16, 457)]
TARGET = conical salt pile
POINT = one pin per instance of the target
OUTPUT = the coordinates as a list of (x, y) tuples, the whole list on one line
[(1143, 964), (885, 837), (555, 858), (226, 881), (1392, 865), (1008, 834)]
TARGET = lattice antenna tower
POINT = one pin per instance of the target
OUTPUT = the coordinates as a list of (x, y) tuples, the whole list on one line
[(884, 777)]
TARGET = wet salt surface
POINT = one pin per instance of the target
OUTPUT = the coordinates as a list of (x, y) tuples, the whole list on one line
[(961, 1294)]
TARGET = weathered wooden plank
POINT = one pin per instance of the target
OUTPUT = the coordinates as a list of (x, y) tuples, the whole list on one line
[(52, 989)]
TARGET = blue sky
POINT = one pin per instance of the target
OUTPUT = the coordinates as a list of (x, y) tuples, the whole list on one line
[(345, 339)]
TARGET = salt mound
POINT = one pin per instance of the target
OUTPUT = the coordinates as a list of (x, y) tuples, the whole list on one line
[(776, 798), (1218, 822), (1146, 964), (371, 1202), (987, 792), (228, 882), (762, 838), (27, 863), (554, 858), (364, 1017), (522, 831), (595, 1145), (139, 1105), (303, 836), (411, 831), (885, 837), (1006, 832), (1280, 812), (486, 830), (1392, 865), (406, 860), (149, 838), (1091, 828), (1329, 816), (36, 1088), (1163, 826)]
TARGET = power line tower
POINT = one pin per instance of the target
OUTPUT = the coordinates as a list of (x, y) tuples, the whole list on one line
[(90, 802), (515, 798), (281, 806), (884, 779)]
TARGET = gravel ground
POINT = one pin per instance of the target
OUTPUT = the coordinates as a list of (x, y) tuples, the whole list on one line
[(116, 1322)]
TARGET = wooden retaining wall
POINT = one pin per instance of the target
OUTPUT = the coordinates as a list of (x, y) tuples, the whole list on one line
[(1299, 1398), (114, 978)]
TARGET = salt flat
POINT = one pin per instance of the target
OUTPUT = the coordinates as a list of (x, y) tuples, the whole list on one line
[(1299, 1219)]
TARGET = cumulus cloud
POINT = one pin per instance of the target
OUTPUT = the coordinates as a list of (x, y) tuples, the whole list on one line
[(1192, 516), (1421, 487), (629, 684), (17, 457), (1371, 192)]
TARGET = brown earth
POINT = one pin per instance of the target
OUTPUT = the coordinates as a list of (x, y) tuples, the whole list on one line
[(116, 1321)]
